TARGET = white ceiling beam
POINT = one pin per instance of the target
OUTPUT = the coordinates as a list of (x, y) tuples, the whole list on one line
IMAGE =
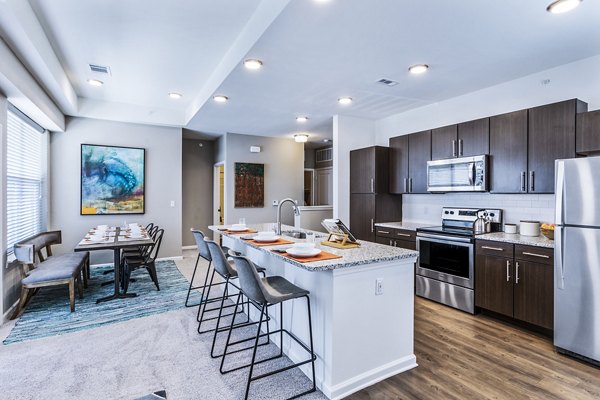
[(266, 12), (22, 90), (23, 32)]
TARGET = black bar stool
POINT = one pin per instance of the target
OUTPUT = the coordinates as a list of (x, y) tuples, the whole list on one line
[(227, 271), (268, 292), (205, 254)]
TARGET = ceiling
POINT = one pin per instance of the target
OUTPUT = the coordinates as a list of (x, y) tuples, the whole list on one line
[(313, 52)]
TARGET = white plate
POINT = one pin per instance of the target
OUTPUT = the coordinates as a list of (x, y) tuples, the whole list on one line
[(96, 240), (293, 251), (238, 228), (266, 239)]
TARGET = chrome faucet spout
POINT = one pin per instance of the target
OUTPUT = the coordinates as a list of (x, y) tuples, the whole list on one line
[(295, 208)]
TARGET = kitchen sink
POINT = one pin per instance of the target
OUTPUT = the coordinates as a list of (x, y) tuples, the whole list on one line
[(295, 234)]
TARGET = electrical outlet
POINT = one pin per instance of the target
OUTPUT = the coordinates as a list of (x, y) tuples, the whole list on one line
[(275, 203), (172, 203), (378, 287)]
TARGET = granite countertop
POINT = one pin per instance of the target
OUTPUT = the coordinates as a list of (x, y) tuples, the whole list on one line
[(367, 253), (409, 226), (539, 241)]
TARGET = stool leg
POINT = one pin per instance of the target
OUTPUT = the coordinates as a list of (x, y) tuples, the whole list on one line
[(203, 303), (281, 329), (212, 349), (262, 311), (312, 350), (229, 334), (192, 283)]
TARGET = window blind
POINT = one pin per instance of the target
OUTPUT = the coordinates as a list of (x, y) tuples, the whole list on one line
[(25, 173)]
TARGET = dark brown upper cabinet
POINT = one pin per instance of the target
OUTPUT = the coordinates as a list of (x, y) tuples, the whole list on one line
[(466, 139), (508, 152), (551, 137), (369, 169), (408, 162), (474, 138), (444, 142), (588, 133)]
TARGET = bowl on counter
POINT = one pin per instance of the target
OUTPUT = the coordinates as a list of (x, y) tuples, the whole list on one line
[(530, 228), (510, 228)]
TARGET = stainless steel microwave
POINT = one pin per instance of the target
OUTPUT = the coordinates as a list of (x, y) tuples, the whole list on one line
[(465, 174)]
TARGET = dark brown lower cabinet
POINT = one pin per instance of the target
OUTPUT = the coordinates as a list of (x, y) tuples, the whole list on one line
[(395, 237), (493, 284), (368, 209), (516, 281)]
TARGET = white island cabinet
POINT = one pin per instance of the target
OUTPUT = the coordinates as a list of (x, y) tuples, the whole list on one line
[(360, 337)]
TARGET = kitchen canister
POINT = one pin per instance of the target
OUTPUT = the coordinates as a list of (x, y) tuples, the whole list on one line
[(510, 228), (530, 228)]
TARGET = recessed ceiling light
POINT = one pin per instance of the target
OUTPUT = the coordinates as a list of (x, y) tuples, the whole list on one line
[(253, 63), (418, 68), (219, 98), (302, 118), (175, 95), (345, 100), (562, 6), (95, 82), (301, 138)]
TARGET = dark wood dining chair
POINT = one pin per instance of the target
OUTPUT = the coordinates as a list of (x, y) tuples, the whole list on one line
[(146, 260)]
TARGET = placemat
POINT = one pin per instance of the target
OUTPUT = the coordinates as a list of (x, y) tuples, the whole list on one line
[(322, 256), (275, 243), (239, 232)]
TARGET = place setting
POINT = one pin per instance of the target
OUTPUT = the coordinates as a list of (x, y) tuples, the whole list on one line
[(305, 252), (238, 228), (98, 235), (133, 232), (266, 238)]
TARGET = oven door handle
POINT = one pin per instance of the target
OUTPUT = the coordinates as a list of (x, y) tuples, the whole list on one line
[(444, 239)]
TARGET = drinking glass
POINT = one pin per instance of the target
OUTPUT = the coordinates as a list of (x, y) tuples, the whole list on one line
[(310, 237), (242, 221)]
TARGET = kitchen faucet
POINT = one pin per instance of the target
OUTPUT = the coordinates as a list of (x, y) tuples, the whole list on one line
[(296, 212)]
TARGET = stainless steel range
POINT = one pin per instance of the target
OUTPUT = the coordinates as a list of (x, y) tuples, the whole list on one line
[(445, 272)]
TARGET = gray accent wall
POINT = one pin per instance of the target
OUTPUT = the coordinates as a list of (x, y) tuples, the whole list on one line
[(284, 175), (163, 180), (197, 189)]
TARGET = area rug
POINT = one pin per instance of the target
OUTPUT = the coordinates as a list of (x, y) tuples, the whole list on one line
[(48, 312)]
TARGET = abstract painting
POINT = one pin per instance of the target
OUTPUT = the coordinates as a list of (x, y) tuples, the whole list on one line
[(112, 180), (249, 185)]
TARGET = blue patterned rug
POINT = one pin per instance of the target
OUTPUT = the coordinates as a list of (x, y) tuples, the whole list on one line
[(48, 311)]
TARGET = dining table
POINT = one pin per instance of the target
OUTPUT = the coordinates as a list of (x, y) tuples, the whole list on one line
[(115, 239)]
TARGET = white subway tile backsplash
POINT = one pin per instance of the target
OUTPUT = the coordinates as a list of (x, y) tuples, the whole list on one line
[(516, 207)]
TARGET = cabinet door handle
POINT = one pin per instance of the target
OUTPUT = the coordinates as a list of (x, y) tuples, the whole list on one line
[(372, 186), (517, 272), (460, 147), (454, 148), (372, 225), (526, 253), (395, 244), (402, 234), (523, 177), (532, 181), (390, 242), (384, 232), (405, 185), (410, 185), (492, 248), (507, 270)]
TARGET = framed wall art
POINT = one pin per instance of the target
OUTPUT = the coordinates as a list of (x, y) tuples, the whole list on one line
[(249, 185), (112, 180)]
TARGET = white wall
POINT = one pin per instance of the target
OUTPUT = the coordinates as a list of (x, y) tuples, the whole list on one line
[(284, 175), (579, 79), (163, 180), (349, 133)]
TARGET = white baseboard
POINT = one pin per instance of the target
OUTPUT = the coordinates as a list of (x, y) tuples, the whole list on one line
[(170, 258), (189, 247), (9, 312), (369, 378)]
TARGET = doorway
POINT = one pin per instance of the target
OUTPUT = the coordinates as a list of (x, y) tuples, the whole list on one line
[(219, 195)]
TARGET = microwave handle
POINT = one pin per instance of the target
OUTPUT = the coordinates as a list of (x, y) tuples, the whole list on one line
[(472, 175)]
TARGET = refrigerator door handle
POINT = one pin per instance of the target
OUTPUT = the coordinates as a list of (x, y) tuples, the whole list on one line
[(560, 192), (559, 264)]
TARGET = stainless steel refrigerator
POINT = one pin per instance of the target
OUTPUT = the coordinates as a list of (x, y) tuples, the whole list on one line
[(577, 258)]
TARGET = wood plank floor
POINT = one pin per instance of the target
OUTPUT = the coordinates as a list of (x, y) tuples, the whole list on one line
[(461, 356)]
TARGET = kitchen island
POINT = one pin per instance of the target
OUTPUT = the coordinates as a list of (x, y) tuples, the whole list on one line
[(360, 337)]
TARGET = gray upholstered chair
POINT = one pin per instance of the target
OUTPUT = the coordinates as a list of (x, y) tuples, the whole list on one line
[(266, 292)]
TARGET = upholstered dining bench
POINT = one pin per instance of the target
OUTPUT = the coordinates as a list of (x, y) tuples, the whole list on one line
[(41, 271)]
